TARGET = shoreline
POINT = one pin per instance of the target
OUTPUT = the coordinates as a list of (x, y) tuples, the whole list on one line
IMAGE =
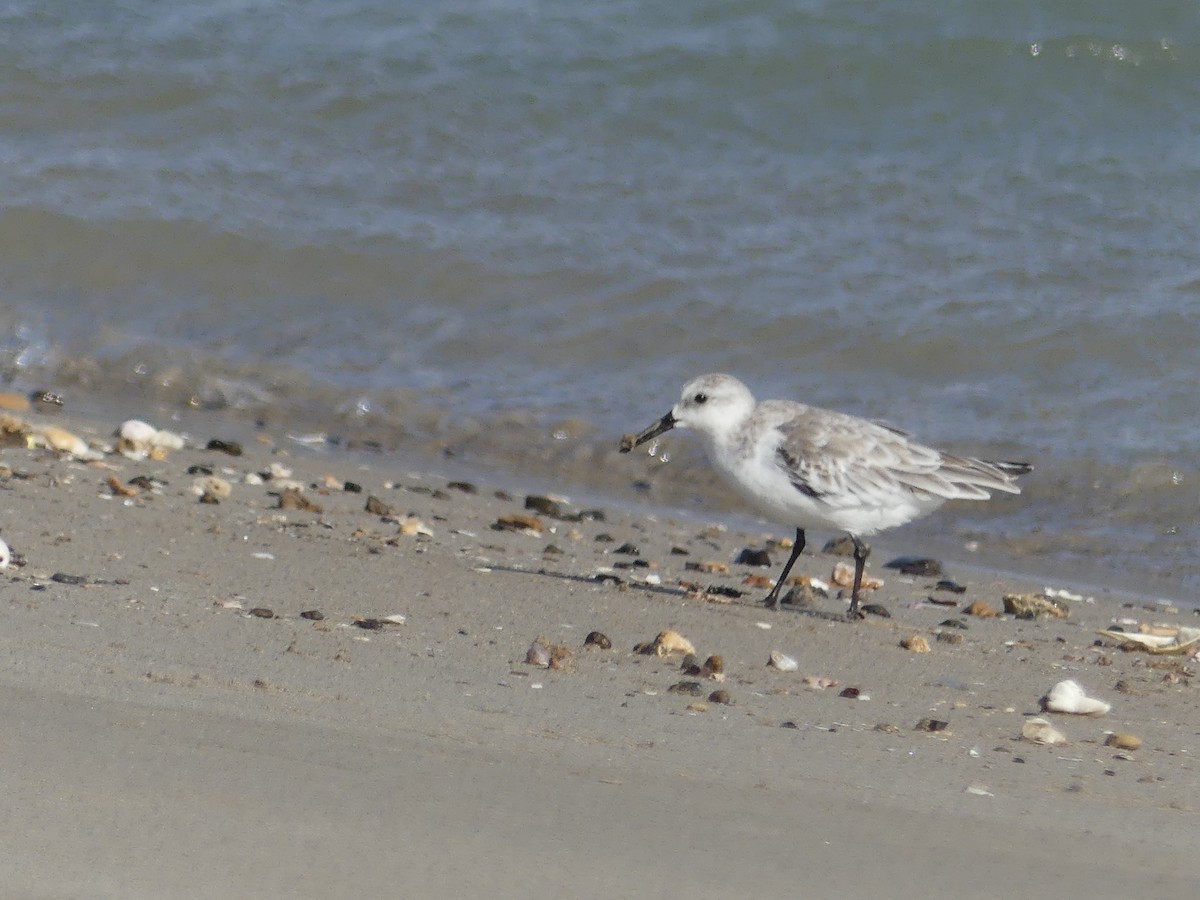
[(153, 679)]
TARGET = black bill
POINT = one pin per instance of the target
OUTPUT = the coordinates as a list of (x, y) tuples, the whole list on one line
[(629, 441)]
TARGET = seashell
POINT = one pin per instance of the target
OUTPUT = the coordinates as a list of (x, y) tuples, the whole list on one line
[(61, 440), (538, 654), (167, 440), (1035, 606), (136, 434), (1183, 641), (277, 471), (1069, 697), (597, 639), (782, 662), (5, 555), (1123, 741), (715, 664), (521, 523), (721, 697), (213, 487), (931, 725), (915, 643), (818, 682), (1040, 731), (119, 489), (758, 581), (697, 707), (982, 610), (14, 432), (666, 643), (261, 612), (843, 576), (689, 688), (411, 525)]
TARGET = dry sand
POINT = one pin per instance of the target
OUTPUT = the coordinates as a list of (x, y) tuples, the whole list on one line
[(162, 742)]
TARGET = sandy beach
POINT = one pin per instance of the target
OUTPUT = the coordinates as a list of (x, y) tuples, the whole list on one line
[(174, 727)]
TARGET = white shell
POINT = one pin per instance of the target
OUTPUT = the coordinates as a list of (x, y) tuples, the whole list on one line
[(1040, 731), (5, 555), (782, 662), (1069, 697), (137, 432), (167, 440)]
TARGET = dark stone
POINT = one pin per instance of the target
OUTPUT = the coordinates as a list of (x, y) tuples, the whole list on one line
[(377, 507), (63, 578), (850, 693), (952, 586), (689, 688), (719, 590), (721, 697), (261, 612), (352, 487), (199, 470), (874, 609), (464, 486), (544, 505), (628, 550), (953, 623), (233, 448), (752, 557), (679, 551), (915, 565), (605, 577), (840, 546), (313, 615)]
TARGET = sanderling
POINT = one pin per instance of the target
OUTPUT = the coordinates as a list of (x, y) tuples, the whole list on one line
[(816, 468)]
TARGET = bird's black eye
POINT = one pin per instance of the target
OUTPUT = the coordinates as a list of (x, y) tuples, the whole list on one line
[(700, 398)]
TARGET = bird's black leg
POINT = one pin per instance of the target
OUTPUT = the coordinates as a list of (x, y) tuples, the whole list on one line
[(772, 599), (861, 551)]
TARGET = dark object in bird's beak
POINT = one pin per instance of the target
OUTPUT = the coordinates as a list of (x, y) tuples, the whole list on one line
[(629, 441)]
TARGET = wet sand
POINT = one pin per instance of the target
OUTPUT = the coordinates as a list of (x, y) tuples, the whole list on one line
[(162, 741)]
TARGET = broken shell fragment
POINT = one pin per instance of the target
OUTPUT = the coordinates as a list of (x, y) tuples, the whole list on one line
[(61, 440), (1183, 640), (843, 576), (1035, 606), (819, 682), (981, 609), (1123, 741), (597, 639), (666, 643), (5, 555), (1040, 731), (782, 662), (520, 523), (212, 489), (915, 643), (1069, 697)]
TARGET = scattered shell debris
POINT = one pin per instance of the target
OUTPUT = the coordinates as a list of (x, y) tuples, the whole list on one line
[(1040, 731), (1069, 697)]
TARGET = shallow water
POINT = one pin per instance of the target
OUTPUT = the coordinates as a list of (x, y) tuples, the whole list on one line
[(511, 230)]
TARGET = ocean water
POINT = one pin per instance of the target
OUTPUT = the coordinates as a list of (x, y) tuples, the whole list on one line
[(508, 231)]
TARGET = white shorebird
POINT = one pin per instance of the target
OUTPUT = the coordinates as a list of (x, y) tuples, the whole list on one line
[(815, 468)]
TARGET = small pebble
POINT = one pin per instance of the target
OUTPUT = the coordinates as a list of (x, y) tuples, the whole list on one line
[(751, 556), (313, 615), (916, 565), (720, 697), (261, 612), (233, 448)]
